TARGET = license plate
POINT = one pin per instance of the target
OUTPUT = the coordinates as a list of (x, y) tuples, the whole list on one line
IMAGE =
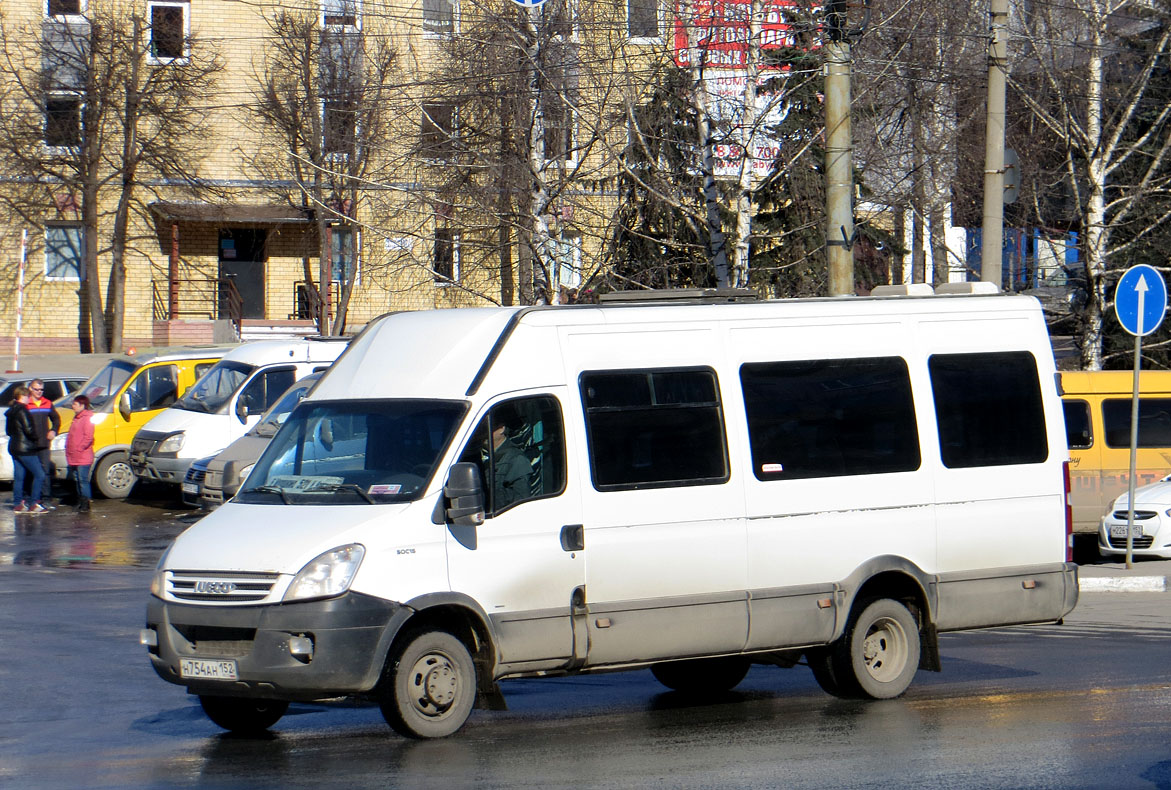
[(207, 669), (190, 488), (1119, 531)]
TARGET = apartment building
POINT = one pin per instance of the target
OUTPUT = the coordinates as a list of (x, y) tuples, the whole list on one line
[(218, 151)]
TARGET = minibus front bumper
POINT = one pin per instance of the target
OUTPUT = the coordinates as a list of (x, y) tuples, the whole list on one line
[(294, 651)]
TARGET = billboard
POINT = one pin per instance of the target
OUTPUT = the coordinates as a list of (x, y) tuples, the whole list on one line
[(720, 30)]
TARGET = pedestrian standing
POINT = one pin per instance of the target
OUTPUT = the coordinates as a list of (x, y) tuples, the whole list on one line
[(79, 450), (22, 446), (47, 423)]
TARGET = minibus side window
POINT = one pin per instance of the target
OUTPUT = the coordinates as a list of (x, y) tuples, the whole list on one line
[(828, 418), (1079, 433), (654, 428), (1154, 422), (520, 449), (988, 409)]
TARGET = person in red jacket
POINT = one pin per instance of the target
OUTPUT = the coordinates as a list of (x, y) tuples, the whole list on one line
[(47, 423), (79, 450)]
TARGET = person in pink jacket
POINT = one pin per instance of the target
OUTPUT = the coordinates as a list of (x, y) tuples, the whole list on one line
[(79, 450)]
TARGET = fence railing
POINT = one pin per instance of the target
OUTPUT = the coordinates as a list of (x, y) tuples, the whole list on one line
[(206, 297)]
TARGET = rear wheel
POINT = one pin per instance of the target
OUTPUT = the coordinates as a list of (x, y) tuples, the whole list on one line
[(243, 715), (113, 476), (877, 656), (430, 687), (704, 675)]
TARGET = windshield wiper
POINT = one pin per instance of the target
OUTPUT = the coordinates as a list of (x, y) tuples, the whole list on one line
[(347, 487), (268, 490)]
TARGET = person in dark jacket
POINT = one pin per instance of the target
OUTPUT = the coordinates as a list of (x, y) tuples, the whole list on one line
[(48, 423), (23, 446)]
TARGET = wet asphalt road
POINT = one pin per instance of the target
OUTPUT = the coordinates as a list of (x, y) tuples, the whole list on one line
[(1083, 705)]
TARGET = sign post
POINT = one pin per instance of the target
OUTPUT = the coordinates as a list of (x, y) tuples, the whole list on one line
[(1140, 302)]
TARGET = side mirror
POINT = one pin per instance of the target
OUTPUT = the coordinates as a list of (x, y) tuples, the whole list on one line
[(241, 410), (464, 495), (124, 406)]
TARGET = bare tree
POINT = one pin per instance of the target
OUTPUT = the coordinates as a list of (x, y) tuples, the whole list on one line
[(101, 114), (1092, 79), (323, 86)]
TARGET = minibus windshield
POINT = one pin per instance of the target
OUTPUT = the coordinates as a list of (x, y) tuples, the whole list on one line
[(216, 387), (103, 385), (353, 453)]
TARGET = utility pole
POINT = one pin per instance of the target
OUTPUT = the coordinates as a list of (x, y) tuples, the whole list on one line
[(992, 237), (839, 158)]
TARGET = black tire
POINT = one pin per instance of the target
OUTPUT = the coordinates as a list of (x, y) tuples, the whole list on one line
[(703, 675), (821, 662), (114, 477), (876, 658), (243, 715), (430, 686)]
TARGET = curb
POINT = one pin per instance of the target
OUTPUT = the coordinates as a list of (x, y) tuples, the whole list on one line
[(1122, 584)]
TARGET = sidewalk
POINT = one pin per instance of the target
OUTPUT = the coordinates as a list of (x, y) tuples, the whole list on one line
[(86, 364), (1147, 575)]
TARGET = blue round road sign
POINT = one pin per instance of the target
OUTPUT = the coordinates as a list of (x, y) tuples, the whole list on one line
[(528, 3), (1140, 300)]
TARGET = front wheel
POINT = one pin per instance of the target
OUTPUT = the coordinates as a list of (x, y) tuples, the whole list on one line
[(877, 656), (114, 477), (243, 715), (431, 686), (699, 676)]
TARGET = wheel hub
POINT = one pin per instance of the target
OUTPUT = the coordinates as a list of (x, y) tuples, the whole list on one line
[(436, 684)]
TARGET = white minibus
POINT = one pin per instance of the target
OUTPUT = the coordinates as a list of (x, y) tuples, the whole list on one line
[(693, 485), (226, 401)]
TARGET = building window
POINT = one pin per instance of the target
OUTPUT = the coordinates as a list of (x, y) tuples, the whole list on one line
[(830, 418), (168, 31), (64, 252), (342, 253), (437, 130), (567, 260), (339, 128), (341, 13), (654, 428), (642, 19), (988, 409), (439, 17), (559, 122), (446, 263), (64, 7), (62, 121)]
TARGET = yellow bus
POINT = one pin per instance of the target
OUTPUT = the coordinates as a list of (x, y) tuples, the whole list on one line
[(1097, 425)]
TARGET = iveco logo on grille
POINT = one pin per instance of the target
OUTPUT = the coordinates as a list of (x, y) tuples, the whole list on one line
[(215, 588)]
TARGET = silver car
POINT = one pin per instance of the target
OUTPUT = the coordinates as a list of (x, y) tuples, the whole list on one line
[(57, 385), (1152, 523)]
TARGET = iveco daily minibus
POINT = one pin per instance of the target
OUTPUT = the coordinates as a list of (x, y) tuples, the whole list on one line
[(691, 485)]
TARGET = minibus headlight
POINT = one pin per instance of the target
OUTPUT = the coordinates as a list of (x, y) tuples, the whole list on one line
[(58, 442), (158, 581), (327, 574), (173, 443), (243, 475)]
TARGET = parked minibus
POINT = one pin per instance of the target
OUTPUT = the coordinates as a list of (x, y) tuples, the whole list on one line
[(1097, 406), (125, 394), (225, 403), (694, 483)]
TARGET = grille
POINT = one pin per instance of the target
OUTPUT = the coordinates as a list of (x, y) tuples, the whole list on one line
[(221, 586), (1137, 543), (1139, 515), (194, 475), (214, 478), (140, 445)]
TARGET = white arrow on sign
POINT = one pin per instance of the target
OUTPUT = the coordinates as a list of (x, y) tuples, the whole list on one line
[(1140, 288)]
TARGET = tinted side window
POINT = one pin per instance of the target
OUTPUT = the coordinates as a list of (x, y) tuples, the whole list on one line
[(653, 428), (827, 418), (520, 449), (203, 367), (53, 389), (1154, 422), (153, 388), (988, 409), (265, 388), (1079, 433)]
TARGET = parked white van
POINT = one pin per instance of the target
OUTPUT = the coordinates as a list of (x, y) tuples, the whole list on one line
[(479, 494), (228, 400)]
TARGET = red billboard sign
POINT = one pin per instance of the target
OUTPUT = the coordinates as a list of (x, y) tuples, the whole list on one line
[(720, 29)]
